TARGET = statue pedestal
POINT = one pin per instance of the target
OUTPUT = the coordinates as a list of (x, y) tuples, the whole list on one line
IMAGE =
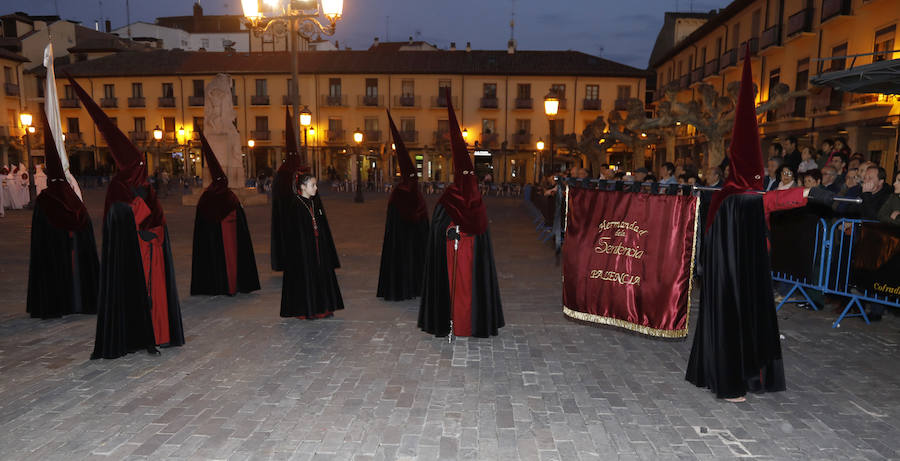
[(247, 196)]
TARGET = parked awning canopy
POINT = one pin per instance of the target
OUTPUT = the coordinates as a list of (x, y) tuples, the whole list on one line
[(878, 77)]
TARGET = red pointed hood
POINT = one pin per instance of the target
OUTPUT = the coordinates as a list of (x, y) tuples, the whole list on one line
[(406, 198), (291, 165), (462, 199), (59, 201), (745, 153), (217, 201)]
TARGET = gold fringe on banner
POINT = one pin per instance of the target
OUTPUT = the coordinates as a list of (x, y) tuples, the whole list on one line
[(625, 324)]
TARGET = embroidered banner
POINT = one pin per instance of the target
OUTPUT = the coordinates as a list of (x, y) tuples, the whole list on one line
[(628, 258)]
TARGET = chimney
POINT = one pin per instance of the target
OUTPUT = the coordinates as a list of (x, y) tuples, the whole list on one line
[(410, 40), (511, 47), (198, 10), (108, 26), (375, 43), (468, 46), (452, 46)]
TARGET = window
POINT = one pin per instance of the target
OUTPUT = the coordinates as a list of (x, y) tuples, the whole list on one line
[(8, 75), (774, 79), (407, 125), (198, 88), (490, 91), (198, 124), (523, 126), (679, 69), (169, 124), (443, 126), (69, 92), (262, 123), (109, 91), (754, 24), (837, 52), (884, 43), (371, 87), (334, 125), (443, 89), (735, 35), (719, 46), (72, 125), (623, 92), (204, 43), (42, 82), (703, 56), (168, 90), (523, 91), (488, 126), (140, 124), (261, 89), (408, 88), (370, 125), (334, 87), (802, 83), (592, 92), (137, 90), (559, 90)]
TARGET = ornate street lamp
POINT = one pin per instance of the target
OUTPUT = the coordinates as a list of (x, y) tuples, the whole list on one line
[(293, 17), (157, 133), (25, 119), (551, 108), (358, 139), (465, 134), (540, 148)]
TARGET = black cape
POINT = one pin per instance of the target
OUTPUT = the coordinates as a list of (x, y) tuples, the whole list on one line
[(209, 275), (281, 206), (434, 308), (737, 346), (310, 287), (124, 322), (402, 257), (64, 269)]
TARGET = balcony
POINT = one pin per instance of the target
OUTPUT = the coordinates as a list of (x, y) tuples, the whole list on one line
[(334, 136), (834, 8), (621, 104), (684, 82), (524, 103), (524, 139), (334, 100), (800, 22), (827, 102), (69, 103), (711, 68), (259, 100), (139, 102), (261, 135), (139, 136), (441, 101), (11, 89), (754, 48), (195, 101), (286, 100), (869, 101), (697, 75), (73, 137), (407, 100), (165, 102), (489, 103), (441, 137), (169, 137), (109, 102), (410, 137), (729, 58), (370, 101), (489, 139), (591, 104), (770, 38)]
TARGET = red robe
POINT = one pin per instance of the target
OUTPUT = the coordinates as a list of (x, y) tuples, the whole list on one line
[(154, 271)]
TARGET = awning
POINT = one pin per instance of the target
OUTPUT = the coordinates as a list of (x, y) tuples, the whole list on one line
[(879, 77)]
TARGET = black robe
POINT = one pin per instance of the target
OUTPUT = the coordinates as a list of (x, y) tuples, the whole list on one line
[(434, 308), (124, 322), (209, 274), (737, 346), (310, 287), (402, 257), (63, 270)]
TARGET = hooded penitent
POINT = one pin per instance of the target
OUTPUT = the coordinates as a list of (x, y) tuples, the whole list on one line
[(405, 231), (282, 192), (223, 258), (460, 295), (138, 306), (63, 269)]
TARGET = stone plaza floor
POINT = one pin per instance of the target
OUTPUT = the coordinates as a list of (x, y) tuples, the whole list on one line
[(367, 384)]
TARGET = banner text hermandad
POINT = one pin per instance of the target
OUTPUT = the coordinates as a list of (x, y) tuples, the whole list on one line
[(628, 259)]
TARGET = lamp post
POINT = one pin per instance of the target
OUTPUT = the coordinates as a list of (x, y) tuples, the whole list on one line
[(540, 148), (305, 121), (25, 118), (551, 108), (299, 17), (358, 139)]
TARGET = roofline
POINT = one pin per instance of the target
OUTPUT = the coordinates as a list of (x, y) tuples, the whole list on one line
[(712, 24)]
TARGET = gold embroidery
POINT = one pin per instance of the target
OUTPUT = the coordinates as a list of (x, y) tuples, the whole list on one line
[(625, 324)]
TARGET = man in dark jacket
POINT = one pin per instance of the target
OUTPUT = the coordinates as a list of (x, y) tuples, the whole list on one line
[(792, 157)]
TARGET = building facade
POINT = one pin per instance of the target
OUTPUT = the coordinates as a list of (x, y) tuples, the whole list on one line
[(498, 96), (790, 42)]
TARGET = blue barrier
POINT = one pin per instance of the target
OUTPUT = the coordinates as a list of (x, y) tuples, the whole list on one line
[(801, 284)]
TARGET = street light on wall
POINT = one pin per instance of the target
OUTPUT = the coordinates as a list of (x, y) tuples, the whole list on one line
[(25, 119), (358, 139), (551, 108)]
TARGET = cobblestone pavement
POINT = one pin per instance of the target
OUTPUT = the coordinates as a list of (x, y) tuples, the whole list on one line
[(368, 384)]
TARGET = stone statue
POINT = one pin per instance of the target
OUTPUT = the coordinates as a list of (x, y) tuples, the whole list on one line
[(221, 132)]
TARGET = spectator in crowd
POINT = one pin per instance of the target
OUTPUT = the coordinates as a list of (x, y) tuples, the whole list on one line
[(851, 189), (714, 177), (640, 174), (787, 178), (890, 211), (811, 178), (840, 147), (792, 155), (666, 174), (874, 192), (827, 150), (581, 173), (773, 167), (829, 179), (692, 179), (619, 175), (775, 150), (807, 161), (839, 162), (682, 178)]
